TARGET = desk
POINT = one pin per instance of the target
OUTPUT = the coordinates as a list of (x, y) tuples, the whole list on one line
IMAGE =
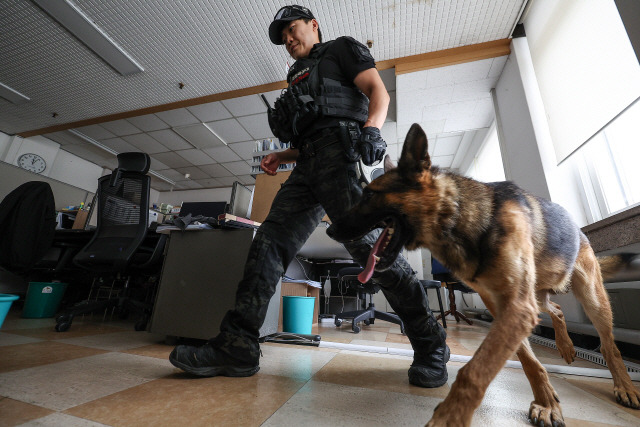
[(199, 279)]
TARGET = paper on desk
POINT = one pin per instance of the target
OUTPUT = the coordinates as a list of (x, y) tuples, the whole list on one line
[(308, 282), (189, 227)]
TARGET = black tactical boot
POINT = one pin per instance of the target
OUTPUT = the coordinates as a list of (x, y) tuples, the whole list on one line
[(430, 357), (210, 361)]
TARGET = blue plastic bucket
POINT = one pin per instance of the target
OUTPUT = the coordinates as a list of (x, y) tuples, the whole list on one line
[(297, 314), (5, 304)]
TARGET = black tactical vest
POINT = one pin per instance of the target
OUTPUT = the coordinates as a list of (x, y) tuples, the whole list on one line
[(309, 98)]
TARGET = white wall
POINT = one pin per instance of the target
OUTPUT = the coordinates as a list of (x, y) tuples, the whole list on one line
[(525, 140), (61, 165)]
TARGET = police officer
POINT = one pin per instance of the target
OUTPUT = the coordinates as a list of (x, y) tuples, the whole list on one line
[(331, 113)]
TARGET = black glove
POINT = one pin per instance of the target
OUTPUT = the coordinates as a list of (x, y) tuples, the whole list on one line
[(371, 146)]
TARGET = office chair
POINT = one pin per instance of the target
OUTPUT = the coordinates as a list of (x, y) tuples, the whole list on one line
[(435, 284), (121, 245), (350, 275), (27, 226), (452, 284)]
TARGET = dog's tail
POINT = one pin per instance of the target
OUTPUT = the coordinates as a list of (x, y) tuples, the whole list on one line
[(623, 266)]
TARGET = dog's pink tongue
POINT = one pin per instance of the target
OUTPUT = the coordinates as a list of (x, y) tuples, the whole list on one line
[(366, 274)]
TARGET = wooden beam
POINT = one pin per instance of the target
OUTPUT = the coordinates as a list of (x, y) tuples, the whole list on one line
[(457, 55), (406, 64), (158, 108)]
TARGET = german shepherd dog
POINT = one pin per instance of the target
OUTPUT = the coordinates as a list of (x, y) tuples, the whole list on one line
[(511, 247)]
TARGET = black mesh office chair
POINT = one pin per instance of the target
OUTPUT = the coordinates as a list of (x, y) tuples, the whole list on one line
[(121, 245), (452, 284), (367, 316)]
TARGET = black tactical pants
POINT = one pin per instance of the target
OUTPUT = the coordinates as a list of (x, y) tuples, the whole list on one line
[(323, 180)]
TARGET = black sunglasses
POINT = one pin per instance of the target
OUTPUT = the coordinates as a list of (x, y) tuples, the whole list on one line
[(293, 10)]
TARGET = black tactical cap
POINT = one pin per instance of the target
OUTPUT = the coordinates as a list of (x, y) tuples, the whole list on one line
[(284, 15)]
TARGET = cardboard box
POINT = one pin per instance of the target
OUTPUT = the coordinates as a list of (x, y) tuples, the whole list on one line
[(300, 290), (81, 220), (265, 190)]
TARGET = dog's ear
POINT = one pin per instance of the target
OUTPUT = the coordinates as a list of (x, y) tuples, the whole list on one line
[(415, 156), (388, 164)]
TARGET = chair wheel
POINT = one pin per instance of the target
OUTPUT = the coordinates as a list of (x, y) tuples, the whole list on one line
[(338, 322), (356, 329), (62, 326), (63, 318), (367, 322)]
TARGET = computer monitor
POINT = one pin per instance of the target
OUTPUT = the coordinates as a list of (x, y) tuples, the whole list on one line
[(210, 209), (241, 198)]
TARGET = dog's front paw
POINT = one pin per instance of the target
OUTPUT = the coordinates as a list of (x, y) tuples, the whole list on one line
[(627, 396), (567, 351), (545, 416)]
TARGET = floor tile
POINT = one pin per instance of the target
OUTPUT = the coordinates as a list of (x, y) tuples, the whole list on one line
[(123, 340), (159, 351), (77, 330), (66, 384), (62, 420), (296, 362), (374, 372), (25, 356), (329, 404), (13, 339), (14, 412), (182, 400), (602, 388)]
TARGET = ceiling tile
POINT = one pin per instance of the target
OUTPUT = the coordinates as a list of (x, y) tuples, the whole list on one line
[(146, 143), (215, 170), (447, 145), (197, 157), (238, 168), (199, 135), (210, 112), (222, 154), (171, 159), (148, 123), (442, 161), (65, 138), (229, 130), (257, 126), (209, 183), (120, 127), (190, 184), (227, 181), (156, 165), (194, 172), (178, 117), (245, 105), (477, 89), (119, 145), (244, 149), (247, 179), (96, 132), (172, 174), (170, 139)]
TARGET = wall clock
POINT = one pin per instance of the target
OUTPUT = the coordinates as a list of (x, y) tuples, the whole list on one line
[(32, 162)]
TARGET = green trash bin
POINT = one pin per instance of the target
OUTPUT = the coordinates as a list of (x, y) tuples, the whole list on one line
[(43, 299)]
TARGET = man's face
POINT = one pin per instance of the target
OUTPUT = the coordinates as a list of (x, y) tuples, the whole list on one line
[(299, 37)]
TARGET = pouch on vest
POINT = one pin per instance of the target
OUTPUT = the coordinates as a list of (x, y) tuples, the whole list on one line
[(349, 134)]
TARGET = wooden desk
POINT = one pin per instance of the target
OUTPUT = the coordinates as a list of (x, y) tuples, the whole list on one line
[(198, 285)]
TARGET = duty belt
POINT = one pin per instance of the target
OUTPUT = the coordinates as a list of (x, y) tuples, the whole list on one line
[(324, 138)]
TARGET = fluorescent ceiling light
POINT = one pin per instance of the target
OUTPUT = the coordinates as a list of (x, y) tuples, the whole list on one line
[(12, 95), (114, 152), (80, 25)]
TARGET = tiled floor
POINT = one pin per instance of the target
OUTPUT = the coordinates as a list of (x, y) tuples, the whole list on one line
[(106, 374)]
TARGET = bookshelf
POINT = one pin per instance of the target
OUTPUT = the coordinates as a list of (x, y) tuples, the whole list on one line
[(267, 146)]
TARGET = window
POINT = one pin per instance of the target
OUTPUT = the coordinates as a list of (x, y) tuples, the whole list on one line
[(608, 166)]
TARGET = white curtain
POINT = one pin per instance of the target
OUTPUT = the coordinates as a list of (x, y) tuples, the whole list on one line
[(586, 67)]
